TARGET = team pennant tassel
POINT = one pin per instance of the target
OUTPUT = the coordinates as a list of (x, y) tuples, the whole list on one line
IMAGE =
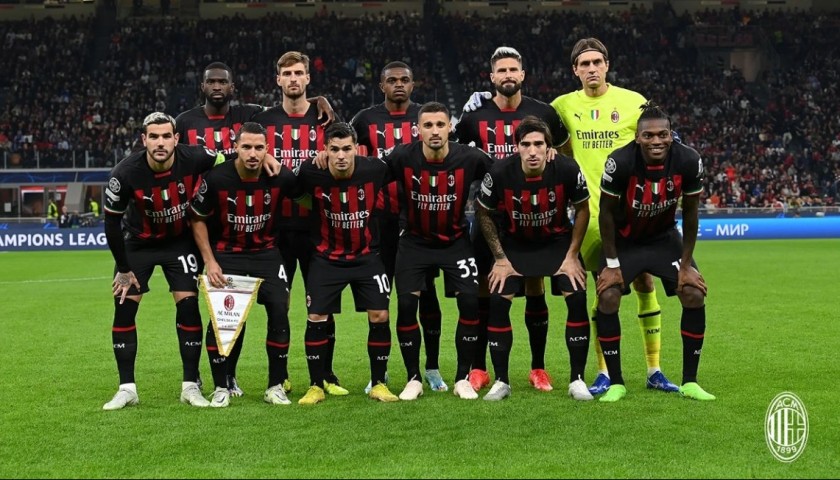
[(229, 307)]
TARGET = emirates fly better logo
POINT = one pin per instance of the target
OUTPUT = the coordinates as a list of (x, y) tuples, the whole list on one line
[(786, 427)]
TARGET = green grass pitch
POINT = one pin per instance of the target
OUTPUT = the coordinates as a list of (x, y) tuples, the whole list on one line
[(772, 326)]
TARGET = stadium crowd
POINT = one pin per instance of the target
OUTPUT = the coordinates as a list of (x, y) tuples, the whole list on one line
[(70, 100)]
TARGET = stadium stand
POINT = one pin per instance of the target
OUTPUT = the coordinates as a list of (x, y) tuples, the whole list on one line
[(75, 88)]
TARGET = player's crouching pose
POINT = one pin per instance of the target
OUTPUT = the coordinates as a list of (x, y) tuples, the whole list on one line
[(641, 185), (539, 240)]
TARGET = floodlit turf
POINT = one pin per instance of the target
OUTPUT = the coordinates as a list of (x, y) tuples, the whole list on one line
[(772, 327)]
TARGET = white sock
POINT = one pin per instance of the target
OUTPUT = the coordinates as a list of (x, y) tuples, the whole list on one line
[(652, 370), (185, 385)]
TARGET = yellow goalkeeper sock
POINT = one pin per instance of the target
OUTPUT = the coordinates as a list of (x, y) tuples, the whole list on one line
[(650, 322)]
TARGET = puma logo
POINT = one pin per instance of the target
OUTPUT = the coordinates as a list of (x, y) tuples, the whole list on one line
[(580, 119), (232, 200), (416, 179), (150, 198), (327, 197)]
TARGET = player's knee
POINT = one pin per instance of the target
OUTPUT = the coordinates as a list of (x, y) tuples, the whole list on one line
[(691, 297), (576, 304), (467, 305), (187, 312), (377, 316), (499, 311), (644, 283), (609, 300), (564, 284), (125, 314), (407, 308), (277, 316)]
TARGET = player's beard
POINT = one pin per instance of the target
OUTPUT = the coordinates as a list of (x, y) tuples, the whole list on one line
[(509, 90), (294, 95), (219, 102)]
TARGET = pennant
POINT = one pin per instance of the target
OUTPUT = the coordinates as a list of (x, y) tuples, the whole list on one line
[(229, 307)]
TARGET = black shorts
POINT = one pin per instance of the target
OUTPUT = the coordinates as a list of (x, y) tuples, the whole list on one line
[(659, 257), (537, 260), (267, 265), (367, 279), (178, 258), (416, 261), (295, 247)]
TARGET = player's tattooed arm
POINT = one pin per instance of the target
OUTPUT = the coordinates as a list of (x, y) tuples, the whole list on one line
[(488, 229), (502, 268)]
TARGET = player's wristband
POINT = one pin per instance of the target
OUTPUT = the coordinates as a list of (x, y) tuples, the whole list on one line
[(613, 263)]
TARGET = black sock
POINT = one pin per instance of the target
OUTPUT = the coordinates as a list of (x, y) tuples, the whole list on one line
[(188, 325), (480, 360), (430, 320), (408, 334), (329, 353), (577, 334), (500, 336), (466, 334), (609, 335), (233, 359), (315, 342), (277, 339), (218, 363), (124, 338), (379, 350), (536, 319), (692, 329)]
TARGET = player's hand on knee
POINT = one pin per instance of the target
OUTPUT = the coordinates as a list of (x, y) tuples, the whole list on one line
[(608, 278), (691, 277), (123, 283), (499, 274), (572, 268), (476, 100)]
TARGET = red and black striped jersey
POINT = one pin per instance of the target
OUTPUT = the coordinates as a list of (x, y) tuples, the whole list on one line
[(242, 213), (534, 208), (154, 204), (491, 128), (433, 194), (292, 139), (341, 224), (195, 127), (649, 194), (379, 130)]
